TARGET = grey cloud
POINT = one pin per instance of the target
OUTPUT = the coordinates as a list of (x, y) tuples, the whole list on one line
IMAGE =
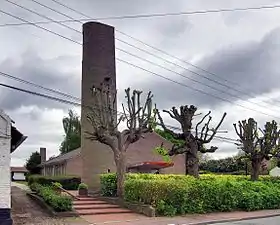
[(37, 70), (252, 65), (174, 27), (43, 128)]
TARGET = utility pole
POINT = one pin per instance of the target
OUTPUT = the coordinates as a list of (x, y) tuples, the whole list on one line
[(98, 66)]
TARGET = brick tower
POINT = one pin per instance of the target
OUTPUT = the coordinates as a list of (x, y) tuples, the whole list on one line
[(98, 66)]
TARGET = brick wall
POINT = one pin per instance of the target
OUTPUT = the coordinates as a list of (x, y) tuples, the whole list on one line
[(5, 158), (143, 151), (74, 166), (138, 152), (98, 63)]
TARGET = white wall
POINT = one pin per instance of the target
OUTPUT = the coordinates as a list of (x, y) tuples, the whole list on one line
[(5, 158), (18, 176)]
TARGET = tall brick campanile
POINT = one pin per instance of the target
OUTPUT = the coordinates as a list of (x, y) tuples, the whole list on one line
[(98, 65)]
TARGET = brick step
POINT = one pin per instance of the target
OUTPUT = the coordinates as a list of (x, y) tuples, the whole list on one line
[(102, 211), (104, 206), (93, 202), (86, 198)]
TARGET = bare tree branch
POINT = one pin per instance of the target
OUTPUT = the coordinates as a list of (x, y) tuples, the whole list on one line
[(214, 131), (209, 150), (176, 150), (170, 114), (200, 122), (175, 135)]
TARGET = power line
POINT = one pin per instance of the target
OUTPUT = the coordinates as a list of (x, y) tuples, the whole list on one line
[(56, 92), (41, 95), (159, 50), (165, 60), (195, 89), (180, 74), (37, 85), (41, 15), (245, 92), (40, 27), (189, 78), (79, 104), (198, 12), (156, 74)]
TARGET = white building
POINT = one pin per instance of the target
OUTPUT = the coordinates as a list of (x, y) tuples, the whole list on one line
[(275, 172), (10, 139)]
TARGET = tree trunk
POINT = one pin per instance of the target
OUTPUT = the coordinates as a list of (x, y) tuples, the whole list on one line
[(120, 160), (192, 162), (256, 164), (186, 163), (192, 165)]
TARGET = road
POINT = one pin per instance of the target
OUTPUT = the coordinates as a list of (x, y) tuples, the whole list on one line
[(265, 221)]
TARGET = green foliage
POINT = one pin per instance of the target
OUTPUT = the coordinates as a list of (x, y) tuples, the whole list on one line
[(163, 152), (108, 181), (57, 185), (169, 137), (35, 187), (226, 165), (209, 194), (32, 164), (67, 182), (180, 194), (58, 202), (108, 184), (82, 186), (72, 130)]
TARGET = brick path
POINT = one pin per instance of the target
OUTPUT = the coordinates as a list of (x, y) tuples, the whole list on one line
[(27, 212)]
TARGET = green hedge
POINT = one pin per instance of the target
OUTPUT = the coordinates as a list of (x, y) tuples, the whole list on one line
[(109, 180), (180, 194), (200, 196), (67, 182), (58, 202)]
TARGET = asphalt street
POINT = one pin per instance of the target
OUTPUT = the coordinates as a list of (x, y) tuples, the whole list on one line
[(265, 221)]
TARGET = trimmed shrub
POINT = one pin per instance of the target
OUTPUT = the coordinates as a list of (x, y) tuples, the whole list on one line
[(108, 181), (83, 186), (67, 182), (58, 202), (35, 187), (203, 195)]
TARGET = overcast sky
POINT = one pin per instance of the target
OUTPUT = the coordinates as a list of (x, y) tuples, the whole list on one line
[(241, 49)]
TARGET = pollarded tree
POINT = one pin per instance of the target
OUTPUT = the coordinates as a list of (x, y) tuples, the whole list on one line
[(257, 147), (103, 118), (192, 143)]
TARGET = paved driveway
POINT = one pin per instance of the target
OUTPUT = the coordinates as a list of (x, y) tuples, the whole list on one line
[(265, 221)]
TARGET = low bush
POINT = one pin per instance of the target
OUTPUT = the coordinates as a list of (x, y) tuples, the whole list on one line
[(203, 195), (109, 180), (58, 202), (35, 187), (57, 185), (180, 194), (67, 182), (83, 186)]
